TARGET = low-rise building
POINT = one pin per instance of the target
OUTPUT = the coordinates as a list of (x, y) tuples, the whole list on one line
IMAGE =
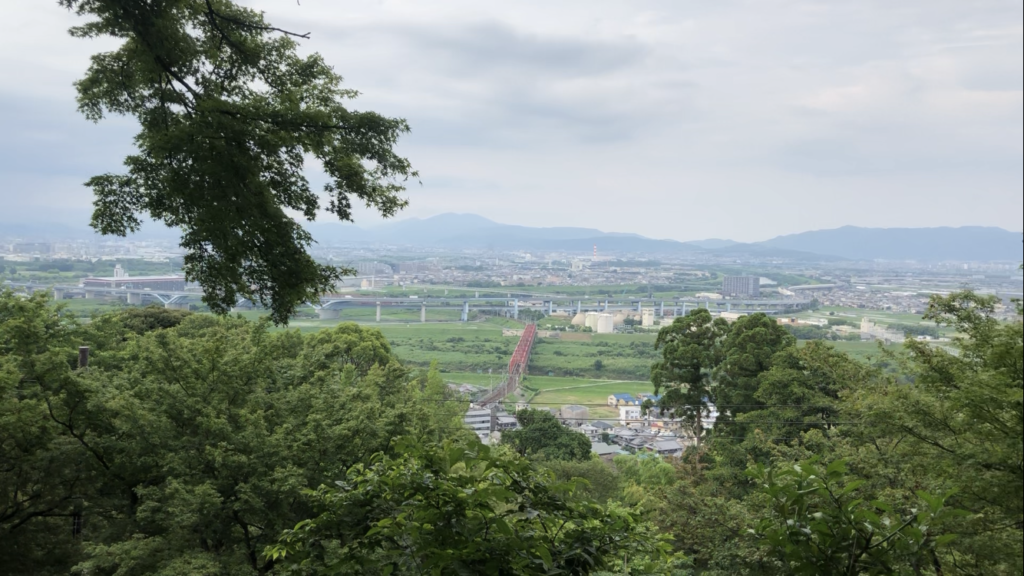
[(629, 415), (622, 400), (604, 451), (169, 283), (593, 433), (666, 447), (574, 414), (484, 421)]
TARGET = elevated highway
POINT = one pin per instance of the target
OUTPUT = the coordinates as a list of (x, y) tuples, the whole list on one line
[(331, 305)]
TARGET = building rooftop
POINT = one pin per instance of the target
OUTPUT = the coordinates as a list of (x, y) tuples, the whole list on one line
[(602, 449), (134, 278)]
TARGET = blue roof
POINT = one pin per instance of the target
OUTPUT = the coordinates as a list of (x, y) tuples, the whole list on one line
[(622, 396)]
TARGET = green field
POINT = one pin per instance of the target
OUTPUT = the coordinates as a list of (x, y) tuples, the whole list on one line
[(84, 308), (555, 392), (593, 395), (472, 348), (621, 356)]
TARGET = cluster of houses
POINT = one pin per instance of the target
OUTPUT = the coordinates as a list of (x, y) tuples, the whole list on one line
[(635, 430)]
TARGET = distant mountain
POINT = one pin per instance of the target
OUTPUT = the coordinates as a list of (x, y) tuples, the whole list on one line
[(712, 243), (470, 230), (920, 244), (60, 231), (848, 242)]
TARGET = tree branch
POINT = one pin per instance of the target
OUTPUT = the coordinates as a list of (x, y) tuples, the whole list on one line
[(250, 25)]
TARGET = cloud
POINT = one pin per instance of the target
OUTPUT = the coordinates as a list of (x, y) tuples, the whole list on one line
[(735, 118)]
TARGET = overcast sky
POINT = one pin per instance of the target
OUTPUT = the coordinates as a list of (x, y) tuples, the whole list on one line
[(672, 119)]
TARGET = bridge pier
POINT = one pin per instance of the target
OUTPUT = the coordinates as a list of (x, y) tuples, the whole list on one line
[(135, 298), (640, 307), (661, 312), (423, 312), (551, 307), (328, 313), (91, 294), (605, 304), (378, 311), (58, 293), (515, 309), (579, 306), (728, 306), (465, 311)]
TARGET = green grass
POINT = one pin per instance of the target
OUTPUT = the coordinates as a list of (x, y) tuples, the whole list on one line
[(622, 356), (547, 383), (84, 308), (594, 396)]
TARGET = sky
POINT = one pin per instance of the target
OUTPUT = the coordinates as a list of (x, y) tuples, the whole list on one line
[(672, 119)]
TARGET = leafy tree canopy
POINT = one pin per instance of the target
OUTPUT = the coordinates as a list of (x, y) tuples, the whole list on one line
[(691, 349), (228, 112), (541, 435), (454, 509), (185, 449)]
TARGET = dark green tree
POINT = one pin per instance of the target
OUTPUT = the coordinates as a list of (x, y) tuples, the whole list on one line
[(228, 113), (541, 435), (183, 449), (955, 422), (820, 522), (746, 353), (456, 509), (802, 390), (43, 472), (600, 481), (691, 349)]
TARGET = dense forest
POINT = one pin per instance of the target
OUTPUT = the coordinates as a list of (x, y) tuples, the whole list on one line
[(190, 444)]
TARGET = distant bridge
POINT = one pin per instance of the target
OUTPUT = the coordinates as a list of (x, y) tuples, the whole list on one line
[(331, 305), (517, 367)]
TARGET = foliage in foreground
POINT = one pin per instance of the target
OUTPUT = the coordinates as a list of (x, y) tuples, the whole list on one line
[(835, 466), (185, 445), (819, 524), (192, 443), (458, 509)]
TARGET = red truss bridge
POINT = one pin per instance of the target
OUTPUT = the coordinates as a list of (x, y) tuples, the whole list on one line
[(516, 366)]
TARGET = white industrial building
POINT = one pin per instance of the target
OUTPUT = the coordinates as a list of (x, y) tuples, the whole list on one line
[(647, 317)]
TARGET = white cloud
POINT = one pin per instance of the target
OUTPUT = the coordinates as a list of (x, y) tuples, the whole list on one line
[(762, 117)]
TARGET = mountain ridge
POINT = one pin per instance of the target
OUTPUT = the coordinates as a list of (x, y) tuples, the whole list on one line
[(451, 230)]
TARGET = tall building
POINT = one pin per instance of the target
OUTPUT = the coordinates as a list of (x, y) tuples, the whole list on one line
[(741, 286)]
